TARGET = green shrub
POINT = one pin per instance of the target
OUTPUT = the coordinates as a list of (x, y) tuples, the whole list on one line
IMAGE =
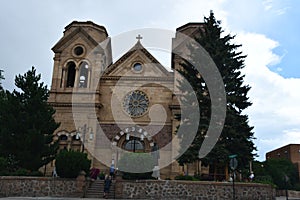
[(101, 176), (70, 163), (136, 163), (136, 166), (137, 176), (186, 178), (267, 179), (3, 164)]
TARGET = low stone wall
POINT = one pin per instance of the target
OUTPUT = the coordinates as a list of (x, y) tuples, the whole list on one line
[(291, 193), (152, 189), (41, 186)]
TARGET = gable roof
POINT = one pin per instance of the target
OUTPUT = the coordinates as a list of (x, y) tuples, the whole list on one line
[(79, 30), (137, 47)]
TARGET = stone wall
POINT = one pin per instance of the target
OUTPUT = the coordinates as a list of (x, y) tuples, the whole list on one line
[(143, 189), (149, 189), (291, 193), (41, 186)]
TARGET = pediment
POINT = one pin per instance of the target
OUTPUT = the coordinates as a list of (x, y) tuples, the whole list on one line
[(78, 33), (126, 66)]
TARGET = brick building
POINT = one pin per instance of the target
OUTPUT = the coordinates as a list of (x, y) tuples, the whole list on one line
[(290, 152)]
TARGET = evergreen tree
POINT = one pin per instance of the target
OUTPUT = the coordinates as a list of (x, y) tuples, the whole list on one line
[(237, 136), (27, 123), (1, 78)]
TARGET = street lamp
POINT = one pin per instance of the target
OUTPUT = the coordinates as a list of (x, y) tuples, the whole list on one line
[(81, 133)]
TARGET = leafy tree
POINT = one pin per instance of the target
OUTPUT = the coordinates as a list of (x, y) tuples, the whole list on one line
[(279, 170), (275, 171), (237, 136), (27, 123), (69, 163)]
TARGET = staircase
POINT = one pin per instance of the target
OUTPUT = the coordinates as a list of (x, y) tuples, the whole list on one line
[(96, 190)]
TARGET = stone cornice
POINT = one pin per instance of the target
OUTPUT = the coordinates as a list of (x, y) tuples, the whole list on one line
[(97, 92), (138, 78), (86, 105)]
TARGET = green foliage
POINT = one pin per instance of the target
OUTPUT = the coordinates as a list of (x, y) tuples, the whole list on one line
[(3, 164), (187, 178), (8, 168), (69, 163), (237, 136), (1, 78), (27, 123), (137, 176), (136, 166), (279, 169), (275, 171), (136, 162), (101, 176)]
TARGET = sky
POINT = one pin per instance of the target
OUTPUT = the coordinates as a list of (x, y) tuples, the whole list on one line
[(267, 30)]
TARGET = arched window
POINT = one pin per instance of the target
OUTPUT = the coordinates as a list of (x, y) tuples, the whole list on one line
[(71, 74), (134, 145), (83, 74), (63, 138), (63, 141)]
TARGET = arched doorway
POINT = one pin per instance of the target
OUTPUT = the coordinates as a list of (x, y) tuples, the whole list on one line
[(131, 139)]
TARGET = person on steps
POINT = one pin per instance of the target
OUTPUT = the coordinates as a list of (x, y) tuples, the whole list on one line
[(107, 184)]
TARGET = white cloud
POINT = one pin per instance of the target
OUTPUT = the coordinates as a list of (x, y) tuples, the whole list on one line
[(267, 4), (275, 112)]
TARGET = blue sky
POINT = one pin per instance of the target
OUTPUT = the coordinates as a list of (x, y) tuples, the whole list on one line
[(267, 29), (277, 20)]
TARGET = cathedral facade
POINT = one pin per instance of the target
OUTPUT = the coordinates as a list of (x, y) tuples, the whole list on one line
[(106, 108)]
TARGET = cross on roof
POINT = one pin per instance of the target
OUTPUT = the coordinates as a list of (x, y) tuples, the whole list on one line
[(139, 37)]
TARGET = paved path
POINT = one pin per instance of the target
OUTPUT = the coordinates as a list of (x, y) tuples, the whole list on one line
[(64, 198), (284, 198), (45, 198)]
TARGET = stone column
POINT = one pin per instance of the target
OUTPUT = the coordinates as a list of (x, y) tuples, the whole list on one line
[(81, 183), (76, 77)]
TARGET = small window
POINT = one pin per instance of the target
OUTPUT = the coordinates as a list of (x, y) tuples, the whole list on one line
[(78, 51), (137, 67)]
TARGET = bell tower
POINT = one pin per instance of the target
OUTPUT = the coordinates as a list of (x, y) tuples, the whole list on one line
[(80, 58)]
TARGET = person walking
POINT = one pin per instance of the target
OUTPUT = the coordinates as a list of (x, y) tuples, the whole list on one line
[(107, 184)]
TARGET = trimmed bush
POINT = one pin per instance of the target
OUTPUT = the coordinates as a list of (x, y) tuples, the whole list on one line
[(186, 178), (136, 166), (70, 163), (3, 164)]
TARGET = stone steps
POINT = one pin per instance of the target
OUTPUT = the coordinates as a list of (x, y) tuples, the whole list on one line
[(96, 190)]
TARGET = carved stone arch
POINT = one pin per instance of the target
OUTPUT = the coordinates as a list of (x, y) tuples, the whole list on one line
[(84, 69), (62, 132), (136, 132), (69, 73), (63, 138)]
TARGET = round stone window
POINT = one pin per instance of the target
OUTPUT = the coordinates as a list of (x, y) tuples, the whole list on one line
[(137, 67), (78, 51), (135, 103)]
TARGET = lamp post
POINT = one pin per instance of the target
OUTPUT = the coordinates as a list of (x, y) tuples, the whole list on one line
[(81, 133), (233, 165)]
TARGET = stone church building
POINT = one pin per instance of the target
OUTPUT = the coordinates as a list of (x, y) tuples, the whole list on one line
[(106, 107)]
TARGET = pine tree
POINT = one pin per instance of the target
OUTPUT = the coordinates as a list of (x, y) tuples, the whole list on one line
[(237, 136), (1, 78), (27, 123)]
